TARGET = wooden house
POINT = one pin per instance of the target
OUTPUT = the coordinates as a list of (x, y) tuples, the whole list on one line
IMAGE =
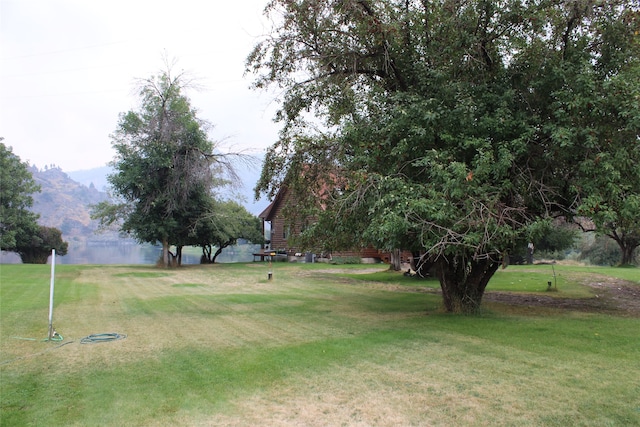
[(283, 234)]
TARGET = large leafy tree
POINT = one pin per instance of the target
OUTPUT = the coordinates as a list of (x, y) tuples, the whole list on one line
[(609, 187), (440, 119), (163, 166), (17, 221)]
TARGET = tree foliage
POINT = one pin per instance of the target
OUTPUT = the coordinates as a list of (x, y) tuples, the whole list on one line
[(166, 169), (457, 129), (163, 163), (609, 187), (228, 222), (36, 248), (17, 221), (19, 229)]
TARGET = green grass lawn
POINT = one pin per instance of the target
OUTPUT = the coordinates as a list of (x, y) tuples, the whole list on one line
[(317, 345)]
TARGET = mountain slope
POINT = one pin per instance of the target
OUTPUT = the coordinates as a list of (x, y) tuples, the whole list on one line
[(65, 204), (96, 177)]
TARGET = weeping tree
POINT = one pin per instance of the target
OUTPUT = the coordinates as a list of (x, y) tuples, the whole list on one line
[(165, 167), (435, 126)]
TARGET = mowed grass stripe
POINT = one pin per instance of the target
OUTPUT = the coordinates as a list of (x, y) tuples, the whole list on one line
[(308, 349)]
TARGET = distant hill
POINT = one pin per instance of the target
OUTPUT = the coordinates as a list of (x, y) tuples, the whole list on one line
[(96, 177), (66, 204)]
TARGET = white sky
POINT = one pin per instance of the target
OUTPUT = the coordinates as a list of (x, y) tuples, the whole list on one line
[(67, 69)]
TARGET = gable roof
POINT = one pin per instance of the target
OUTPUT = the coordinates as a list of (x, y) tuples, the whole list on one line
[(269, 213)]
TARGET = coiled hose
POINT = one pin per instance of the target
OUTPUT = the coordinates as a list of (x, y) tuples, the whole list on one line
[(97, 338)]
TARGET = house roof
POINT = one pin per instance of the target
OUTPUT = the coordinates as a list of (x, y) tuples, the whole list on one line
[(270, 211)]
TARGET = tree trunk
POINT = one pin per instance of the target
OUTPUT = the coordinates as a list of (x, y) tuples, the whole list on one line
[(628, 245), (463, 282), (34, 257), (221, 246), (396, 260), (179, 255), (165, 253), (218, 252), (627, 254), (206, 255)]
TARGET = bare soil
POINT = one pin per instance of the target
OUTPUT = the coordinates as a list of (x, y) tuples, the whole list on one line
[(611, 295)]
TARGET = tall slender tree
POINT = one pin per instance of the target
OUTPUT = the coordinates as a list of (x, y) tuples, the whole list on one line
[(163, 165)]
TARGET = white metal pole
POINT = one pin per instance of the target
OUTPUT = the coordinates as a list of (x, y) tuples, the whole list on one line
[(53, 275)]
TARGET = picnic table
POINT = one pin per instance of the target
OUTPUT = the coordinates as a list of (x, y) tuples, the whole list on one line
[(263, 254)]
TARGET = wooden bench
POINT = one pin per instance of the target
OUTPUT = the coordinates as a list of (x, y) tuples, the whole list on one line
[(262, 254)]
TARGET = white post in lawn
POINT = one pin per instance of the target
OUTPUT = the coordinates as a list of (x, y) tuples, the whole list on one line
[(53, 274)]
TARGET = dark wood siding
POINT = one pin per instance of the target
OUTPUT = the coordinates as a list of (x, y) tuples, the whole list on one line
[(282, 232)]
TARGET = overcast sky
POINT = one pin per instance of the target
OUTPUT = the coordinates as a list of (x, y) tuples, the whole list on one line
[(68, 68)]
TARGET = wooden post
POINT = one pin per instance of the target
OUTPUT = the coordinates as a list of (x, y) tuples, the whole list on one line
[(270, 274)]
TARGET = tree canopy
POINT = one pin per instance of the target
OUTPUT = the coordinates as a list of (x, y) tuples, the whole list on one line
[(609, 184), (17, 221), (166, 168), (457, 129), (37, 248), (228, 222)]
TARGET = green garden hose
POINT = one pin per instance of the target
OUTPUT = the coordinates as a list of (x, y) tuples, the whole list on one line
[(91, 339), (56, 337), (96, 338)]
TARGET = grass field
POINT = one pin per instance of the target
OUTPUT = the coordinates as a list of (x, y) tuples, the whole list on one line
[(318, 345)]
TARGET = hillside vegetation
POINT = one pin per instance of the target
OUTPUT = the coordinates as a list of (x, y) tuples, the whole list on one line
[(65, 204)]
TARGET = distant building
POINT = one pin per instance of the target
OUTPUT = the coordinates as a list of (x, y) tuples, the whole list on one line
[(284, 231)]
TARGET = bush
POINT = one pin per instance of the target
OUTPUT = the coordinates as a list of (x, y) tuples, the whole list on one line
[(36, 248), (599, 250)]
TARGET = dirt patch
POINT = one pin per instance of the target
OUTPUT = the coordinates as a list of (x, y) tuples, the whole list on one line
[(351, 271), (610, 296)]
